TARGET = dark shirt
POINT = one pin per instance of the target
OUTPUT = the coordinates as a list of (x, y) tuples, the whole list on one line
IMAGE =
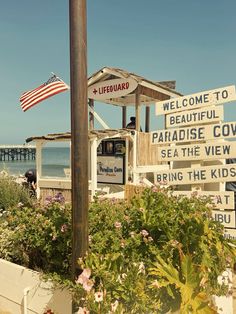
[(31, 176), (131, 125)]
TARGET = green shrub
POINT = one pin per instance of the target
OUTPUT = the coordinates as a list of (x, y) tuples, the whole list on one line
[(143, 257), (6, 243), (128, 241), (42, 236), (12, 193)]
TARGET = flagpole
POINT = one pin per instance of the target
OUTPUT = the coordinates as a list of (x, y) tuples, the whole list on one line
[(79, 132)]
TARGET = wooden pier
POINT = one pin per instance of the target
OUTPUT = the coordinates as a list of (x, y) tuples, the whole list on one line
[(17, 152)]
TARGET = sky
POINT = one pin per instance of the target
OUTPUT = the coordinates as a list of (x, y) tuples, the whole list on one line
[(191, 42)]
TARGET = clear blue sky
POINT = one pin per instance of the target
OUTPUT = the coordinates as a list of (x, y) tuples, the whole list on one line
[(192, 42)]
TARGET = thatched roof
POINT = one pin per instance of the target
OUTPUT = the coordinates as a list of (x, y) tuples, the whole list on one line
[(99, 134)]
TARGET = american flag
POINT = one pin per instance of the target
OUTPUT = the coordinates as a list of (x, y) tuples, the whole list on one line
[(52, 87)]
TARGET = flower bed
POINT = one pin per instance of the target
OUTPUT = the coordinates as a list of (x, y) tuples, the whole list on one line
[(158, 254)]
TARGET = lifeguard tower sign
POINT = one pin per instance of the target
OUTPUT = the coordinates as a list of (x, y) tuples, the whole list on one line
[(111, 88)]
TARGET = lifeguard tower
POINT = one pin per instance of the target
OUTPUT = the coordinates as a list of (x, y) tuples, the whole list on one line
[(117, 156)]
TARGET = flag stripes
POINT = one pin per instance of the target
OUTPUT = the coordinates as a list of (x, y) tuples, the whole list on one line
[(52, 87)]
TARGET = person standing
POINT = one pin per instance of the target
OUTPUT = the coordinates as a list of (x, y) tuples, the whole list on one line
[(31, 179), (132, 123)]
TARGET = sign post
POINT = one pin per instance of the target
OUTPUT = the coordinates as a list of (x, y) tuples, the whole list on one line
[(195, 132), (203, 99)]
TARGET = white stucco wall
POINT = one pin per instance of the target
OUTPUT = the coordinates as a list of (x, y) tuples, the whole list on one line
[(15, 281)]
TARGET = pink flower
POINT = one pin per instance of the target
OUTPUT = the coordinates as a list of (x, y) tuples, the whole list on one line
[(164, 182), (154, 189), (144, 233), (141, 268), (64, 228), (88, 285), (132, 234), (86, 272), (84, 276), (194, 193), (84, 280), (82, 310), (114, 306), (117, 224), (98, 296), (122, 243), (155, 284), (127, 218)]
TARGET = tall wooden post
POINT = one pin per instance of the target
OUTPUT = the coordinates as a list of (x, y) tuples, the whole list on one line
[(124, 117), (147, 119), (79, 132), (137, 109)]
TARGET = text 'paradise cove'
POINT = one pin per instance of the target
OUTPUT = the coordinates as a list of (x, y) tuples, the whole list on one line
[(189, 134)]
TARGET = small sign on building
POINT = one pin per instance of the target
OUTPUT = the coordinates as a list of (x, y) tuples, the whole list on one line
[(112, 88)]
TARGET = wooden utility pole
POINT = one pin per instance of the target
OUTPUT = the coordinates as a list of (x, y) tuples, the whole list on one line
[(79, 131)]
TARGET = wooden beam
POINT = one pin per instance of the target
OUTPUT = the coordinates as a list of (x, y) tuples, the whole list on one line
[(153, 93), (147, 119), (91, 116), (137, 108), (124, 123)]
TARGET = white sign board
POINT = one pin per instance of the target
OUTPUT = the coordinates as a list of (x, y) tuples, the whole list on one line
[(221, 200), (230, 234), (197, 133), (208, 174), (111, 88), (192, 117), (226, 218), (201, 99), (110, 169), (207, 151)]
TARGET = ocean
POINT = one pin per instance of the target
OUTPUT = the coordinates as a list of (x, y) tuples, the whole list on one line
[(54, 160)]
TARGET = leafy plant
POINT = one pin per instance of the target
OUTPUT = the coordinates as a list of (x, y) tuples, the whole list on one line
[(188, 279), (42, 236), (160, 253), (12, 193)]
